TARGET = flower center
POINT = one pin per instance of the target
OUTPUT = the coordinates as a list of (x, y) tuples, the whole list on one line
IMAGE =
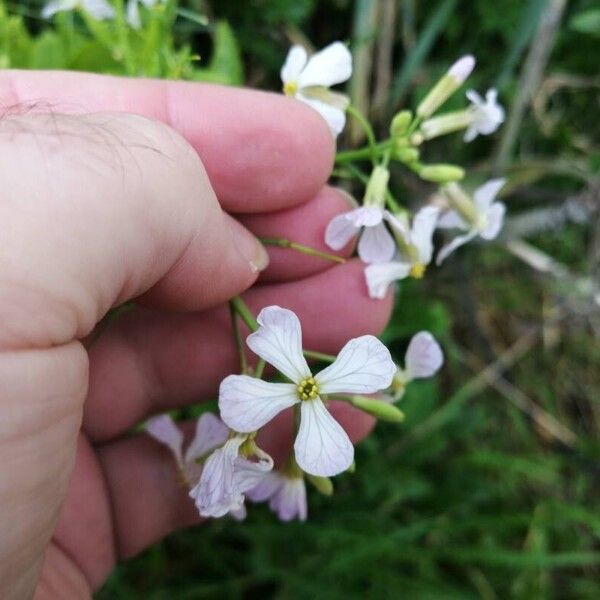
[(417, 270), (308, 389), (290, 88)]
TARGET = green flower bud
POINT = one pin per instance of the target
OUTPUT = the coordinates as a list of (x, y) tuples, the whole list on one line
[(400, 123), (407, 155), (378, 408), (323, 485), (377, 187), (441, 173)]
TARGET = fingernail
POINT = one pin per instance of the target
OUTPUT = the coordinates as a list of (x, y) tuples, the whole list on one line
[(249, 247), (347, 196)]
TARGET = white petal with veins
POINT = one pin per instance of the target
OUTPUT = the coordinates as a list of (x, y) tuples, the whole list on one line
[(424, 356), (327, 67)]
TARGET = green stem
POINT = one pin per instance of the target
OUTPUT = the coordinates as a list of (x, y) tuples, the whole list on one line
[(362, 153), (364, 123), (241, 308), (260, 368), (389, 199), (319, 356), (237, 335), (285, 243)]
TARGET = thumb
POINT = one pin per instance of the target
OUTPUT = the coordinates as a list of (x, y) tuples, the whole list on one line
[(96, 210)]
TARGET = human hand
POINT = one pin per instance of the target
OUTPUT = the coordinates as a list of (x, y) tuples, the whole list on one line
[(102, 207)]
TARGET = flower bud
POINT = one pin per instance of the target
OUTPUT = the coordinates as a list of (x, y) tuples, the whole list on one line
[(377, 187), (378, 408), (441, 173), (446, 86), (323, 485), (447, 123), (407, 155), (400, 123)]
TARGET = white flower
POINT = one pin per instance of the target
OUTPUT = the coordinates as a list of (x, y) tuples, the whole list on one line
[(227, 475), (309, 80), (322, 447), (416, 250), (486, 115), (375, 244), (133, 11), (481, 217), (99, 9), (423, 358), (211, 432), (286, 495)]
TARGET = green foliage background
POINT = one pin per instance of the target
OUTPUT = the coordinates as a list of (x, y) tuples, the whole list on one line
[(470, 497)]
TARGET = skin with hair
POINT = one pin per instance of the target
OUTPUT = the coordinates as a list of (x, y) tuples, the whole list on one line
[(146, 191)]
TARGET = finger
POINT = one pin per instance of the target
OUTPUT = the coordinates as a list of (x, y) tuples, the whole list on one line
[(138, 468), (304, 224), (261, 151), (147, 362), (123, 208)]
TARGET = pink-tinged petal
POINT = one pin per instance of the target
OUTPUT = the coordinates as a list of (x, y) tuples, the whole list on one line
[(424, 357), (215, 494), (248, 474), (495, 220), (457, 242), (279, 342), (376, 245), (164, 430), (247, 403), (474, 97), (333, 115), (340, 231), (322, 447), (366, 216), (379, 277), (485, 194), (328, 67), (211, 433), (421, 235), (363, 366), (294, 63), (462, 68), (290, 500), (269, 484), (450, 219)]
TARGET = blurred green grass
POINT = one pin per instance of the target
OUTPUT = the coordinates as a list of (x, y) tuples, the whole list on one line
[(471, 497)]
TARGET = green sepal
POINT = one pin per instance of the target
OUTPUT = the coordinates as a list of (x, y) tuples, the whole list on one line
[(323, 485), (378, 409)]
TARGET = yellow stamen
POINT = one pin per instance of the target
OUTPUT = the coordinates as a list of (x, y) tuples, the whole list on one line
[(308, 389), (290, 88), (418, 270)]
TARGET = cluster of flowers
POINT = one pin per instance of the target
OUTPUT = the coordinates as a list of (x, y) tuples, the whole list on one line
[(224, 466)]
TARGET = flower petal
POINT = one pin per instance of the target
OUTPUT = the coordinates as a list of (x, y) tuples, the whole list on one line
[(495, 220), (376, 245), (164, 430), (99, 9), (424, 356), (328, 67), (51, 8), (363, 366), (133, 14), (294, 63), (366, 216), (340, 231), (334, 116), (450, 219), (211, 433), (269, 484), (458, 241), (380, 276), (247, 403), (215, 494), (279, 342), (289, 502), (248, 474), (485, 194), (421, 234), (322, 447), (474, 97), (239, 514), (322, 94), (471, 133)]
